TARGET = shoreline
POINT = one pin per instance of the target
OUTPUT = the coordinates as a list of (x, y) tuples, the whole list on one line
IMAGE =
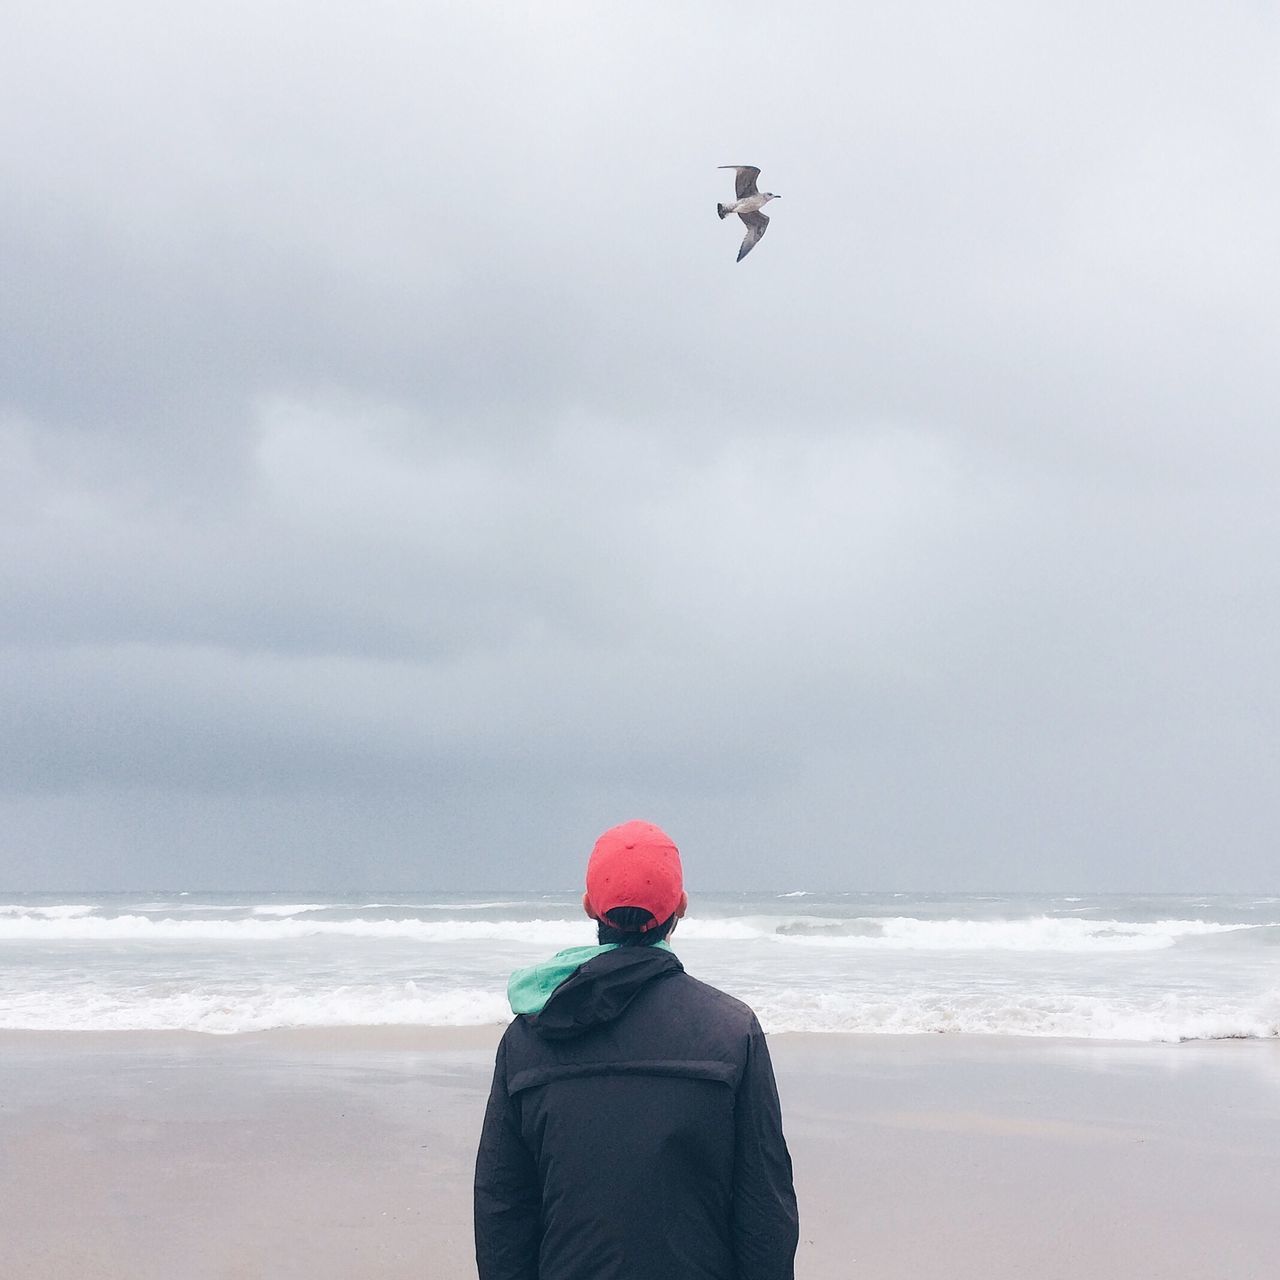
[(487, 1035)]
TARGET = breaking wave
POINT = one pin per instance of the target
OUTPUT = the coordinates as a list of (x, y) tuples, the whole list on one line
[(211, 1009), (1153, 968), (65, 911), (1073, 1015), (270, 1007), (144, 928), (901, 933)]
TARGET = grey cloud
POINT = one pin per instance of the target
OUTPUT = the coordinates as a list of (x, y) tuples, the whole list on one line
[(393, 457)]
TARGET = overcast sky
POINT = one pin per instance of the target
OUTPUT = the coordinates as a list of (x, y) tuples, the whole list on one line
[(400, 482)]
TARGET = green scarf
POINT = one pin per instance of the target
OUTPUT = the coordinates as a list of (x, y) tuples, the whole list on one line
[(530, 989)]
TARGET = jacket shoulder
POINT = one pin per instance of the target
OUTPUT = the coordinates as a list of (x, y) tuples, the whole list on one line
[(727, 1011)]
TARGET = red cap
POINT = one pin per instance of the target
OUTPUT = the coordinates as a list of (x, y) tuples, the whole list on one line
[(635, 865)]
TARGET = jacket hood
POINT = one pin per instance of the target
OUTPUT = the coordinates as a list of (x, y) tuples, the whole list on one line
[(585, 987)]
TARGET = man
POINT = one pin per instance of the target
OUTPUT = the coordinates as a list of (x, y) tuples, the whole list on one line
[(633, 1130)]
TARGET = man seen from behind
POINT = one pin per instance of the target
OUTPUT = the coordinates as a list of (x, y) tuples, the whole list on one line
[(633, 1130)]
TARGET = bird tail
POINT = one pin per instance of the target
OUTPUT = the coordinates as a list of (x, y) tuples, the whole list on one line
[(722, 211)]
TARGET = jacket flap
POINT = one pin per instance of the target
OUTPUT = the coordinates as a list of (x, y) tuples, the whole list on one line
[(711, 1070)]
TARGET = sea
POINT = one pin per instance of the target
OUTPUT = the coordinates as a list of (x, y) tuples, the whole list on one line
[(1111, 967)]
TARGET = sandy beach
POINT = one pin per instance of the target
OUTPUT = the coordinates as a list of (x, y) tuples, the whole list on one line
[(327, 1154)]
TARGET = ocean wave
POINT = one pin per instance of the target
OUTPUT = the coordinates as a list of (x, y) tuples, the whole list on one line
[(1049, 934), (294, 909), (145, 929), (64, 911), (1173, 1018), (229, 1010), (901, 933), (446, 906), (1039, 933), (1243, 938)]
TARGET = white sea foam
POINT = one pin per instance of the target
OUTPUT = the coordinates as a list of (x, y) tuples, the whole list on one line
[(295, 909), (1077, 1015), (227, 1011), (63, 911), (1043, 933), (236, 962), (144, 928), (900, 933), (443, 906), (208, 1008)]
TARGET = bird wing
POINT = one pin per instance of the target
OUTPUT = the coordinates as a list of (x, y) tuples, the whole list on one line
[(757, 225), (745, 183)]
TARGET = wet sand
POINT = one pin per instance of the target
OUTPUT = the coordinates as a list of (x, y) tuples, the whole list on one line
[(347, 1153)]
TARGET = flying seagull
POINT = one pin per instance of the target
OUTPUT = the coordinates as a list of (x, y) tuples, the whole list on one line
[(748, 205)]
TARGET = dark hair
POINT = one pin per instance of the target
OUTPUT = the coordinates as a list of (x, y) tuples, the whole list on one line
[(625, 926)]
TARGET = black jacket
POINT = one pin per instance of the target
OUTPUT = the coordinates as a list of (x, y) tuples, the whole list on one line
[(633, 1133)]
